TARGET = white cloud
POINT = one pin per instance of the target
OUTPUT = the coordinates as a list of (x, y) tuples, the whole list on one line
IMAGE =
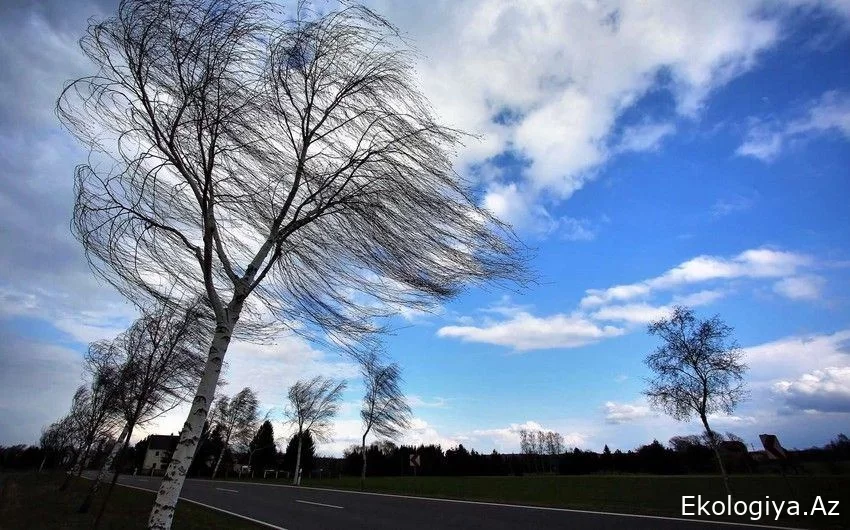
[(617, 413), (829, 113), (790, 357), (730, 205), (699, 298), (754, 263), (269, 369), (506, 439), (825, 390), (422, 433), (549, 80), (630, 304), (645, 137), (800, 287), (762, 143), (632, 313), (419, 402), (525, 331)]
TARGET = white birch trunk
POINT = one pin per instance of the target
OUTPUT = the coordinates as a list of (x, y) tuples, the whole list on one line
[(295, 481), (84, 507), (221, 455), (363, 470), (162, 513)]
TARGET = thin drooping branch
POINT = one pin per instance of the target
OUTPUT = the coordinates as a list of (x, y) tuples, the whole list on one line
[(287, 172)]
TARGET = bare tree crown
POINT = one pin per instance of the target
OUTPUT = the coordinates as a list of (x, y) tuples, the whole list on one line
[(313, 403), (237, 416), (699, 369), (385, 409), (235, 153), (157, 362)]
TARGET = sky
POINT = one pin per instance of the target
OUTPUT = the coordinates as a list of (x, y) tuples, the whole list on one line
[(649, 153)]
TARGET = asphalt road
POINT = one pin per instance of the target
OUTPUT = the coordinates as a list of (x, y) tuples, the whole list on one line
[(298, 508)]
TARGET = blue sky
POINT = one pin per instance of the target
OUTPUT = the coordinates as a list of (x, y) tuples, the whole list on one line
[(650, 154)]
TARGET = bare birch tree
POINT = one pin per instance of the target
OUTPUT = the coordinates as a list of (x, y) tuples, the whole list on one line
[(385, 410), (312, 406), (93, 414), (57, 440), (288, 169), (237, 418), (157, 362), (699, 370)]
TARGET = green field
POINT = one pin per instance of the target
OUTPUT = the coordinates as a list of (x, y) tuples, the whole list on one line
[(29, 500), (642, 494)]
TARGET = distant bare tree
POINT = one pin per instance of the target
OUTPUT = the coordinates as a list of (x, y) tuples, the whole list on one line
[(285, 168), (93, 414), (554, 443), (237, 418), (699, 370), (385, 410), (57, 440), (158, 362), (312, 406)]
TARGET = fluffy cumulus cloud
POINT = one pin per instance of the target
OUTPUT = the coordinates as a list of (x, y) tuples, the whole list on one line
[(802, 373), (549, 81), (796, 355), (617, 413), (826, 390), (828, 114)]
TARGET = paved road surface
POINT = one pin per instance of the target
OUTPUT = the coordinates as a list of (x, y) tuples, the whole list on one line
[(293, 508)]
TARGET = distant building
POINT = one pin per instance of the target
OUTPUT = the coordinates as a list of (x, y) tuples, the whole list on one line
[(159, 451)]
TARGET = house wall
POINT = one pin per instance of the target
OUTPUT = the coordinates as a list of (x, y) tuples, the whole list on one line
[(157, 458)]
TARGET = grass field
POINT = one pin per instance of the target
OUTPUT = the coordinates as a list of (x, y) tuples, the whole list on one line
[(29, 500), (643, 494)]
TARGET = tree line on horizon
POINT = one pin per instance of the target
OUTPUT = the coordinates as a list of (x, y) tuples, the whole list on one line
[(688, 454)]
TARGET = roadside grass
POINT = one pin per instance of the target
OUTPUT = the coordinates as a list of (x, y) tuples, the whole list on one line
[(637, 494), (30, 500)]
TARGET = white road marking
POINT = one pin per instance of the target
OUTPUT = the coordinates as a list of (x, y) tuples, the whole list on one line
[(215, 508), (458, 501), (320, 504), (519, 506), (225, 489)]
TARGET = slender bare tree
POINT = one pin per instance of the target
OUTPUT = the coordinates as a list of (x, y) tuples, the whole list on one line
[(237, 418), (93, 414), (57, 440), (158, 362), (312, 406), (288, 169), (385, 410), (699, 370)]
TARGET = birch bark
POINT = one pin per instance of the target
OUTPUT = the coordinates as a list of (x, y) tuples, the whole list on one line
[(95, 487), (162, 513)]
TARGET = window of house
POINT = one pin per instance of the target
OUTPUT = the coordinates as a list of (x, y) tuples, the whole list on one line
[(156, 453)]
